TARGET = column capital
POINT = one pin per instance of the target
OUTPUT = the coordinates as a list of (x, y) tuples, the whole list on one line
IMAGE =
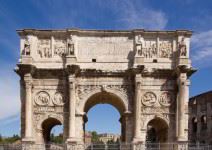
[(72, 69), (28, 80), (183, 79), (138, 78), (71, 78), (138, 85)]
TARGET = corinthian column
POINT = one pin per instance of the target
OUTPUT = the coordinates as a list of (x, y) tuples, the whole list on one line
[(72, 103), (28, 107), (137, 109), (182, 100)]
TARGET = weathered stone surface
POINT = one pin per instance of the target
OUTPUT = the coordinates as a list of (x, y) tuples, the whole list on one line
[(144, 74)]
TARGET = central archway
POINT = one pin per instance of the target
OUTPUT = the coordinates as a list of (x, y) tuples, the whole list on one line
[(104, 97)]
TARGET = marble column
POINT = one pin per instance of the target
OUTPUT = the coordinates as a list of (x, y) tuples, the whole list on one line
[(28, 107), (182, 100), (137, 109), (72, 103)]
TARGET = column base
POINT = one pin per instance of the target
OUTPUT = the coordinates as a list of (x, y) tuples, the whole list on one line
[(71, 59), (182, 139), (28, 140), (138, 141), (73, 144), (72, 140)]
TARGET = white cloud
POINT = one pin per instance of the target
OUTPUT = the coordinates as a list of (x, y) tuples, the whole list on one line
[(128, 13), (135, 14), (202, 49), (9, 85)]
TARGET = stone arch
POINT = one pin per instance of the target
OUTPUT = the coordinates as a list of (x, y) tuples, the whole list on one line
[(122, 100), (203, 121), (46, 117), (45, 125), (112, 97), (160, 126), (161, 117), (194, 124)]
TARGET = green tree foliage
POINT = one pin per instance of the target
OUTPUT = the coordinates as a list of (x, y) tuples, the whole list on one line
[(56, 139), (95, 137), (0, 138), (12, 139)]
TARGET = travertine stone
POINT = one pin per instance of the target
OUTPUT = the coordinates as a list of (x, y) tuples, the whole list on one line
[(143, 74)]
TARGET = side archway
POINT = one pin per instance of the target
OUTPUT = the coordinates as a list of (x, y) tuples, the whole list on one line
[(45, 126), (157, 131)]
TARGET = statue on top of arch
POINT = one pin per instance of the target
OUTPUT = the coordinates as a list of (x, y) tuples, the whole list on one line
[(26, 50), (70, 45), (182, 47)]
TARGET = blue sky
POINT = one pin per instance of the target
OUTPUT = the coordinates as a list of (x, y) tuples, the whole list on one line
[(195, 15)]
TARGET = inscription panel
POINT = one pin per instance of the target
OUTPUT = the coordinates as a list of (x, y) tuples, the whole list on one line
[(104, 47)]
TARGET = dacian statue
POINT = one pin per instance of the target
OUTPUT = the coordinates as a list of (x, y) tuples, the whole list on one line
[(139, 46), (70, 46), (182, 47), (26, 50)]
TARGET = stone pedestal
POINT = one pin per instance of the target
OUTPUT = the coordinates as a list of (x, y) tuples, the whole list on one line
[(71, 59), (138, 60), (26, 59), (184, 61)]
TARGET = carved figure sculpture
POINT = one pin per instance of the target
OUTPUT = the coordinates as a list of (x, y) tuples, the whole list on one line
[(166, 99), (139, 46), (70, 46), (182, 47), (26, 50), (42, 98), (58, 99), (59, 47), (44, 48), (149, 99), (149, 50), (165, 49)]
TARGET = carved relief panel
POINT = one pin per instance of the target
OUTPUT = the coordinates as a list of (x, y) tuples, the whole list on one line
[(165, 48), (44, 48), (58, 99), (166, 98), (163, 98), (43, 98), (149, 48), (149, 99), (59, 47), (153, 47)]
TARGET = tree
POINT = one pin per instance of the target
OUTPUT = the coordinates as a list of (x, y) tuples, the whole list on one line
[(1, 138), (95, 137), (56, 139)]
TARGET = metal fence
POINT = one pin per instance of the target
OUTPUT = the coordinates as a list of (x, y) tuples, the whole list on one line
[(121, 146)]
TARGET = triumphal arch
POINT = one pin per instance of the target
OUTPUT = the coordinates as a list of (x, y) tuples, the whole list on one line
[(143, 74)]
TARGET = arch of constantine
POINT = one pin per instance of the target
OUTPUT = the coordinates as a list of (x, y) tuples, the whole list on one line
[(143, 74)]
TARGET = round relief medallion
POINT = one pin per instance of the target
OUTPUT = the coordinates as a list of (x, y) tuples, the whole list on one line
[(166, 99), (42, 98), (58, 99), (149, 98)]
